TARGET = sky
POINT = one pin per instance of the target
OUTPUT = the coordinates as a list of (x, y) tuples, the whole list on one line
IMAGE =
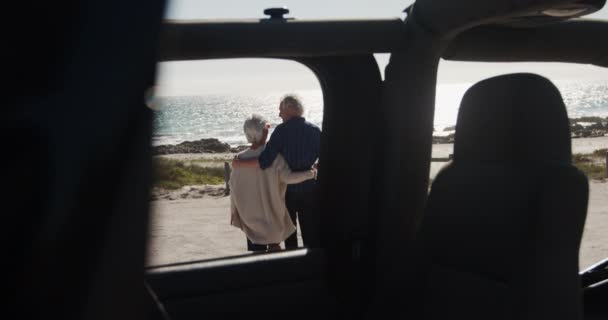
[(221, 76)]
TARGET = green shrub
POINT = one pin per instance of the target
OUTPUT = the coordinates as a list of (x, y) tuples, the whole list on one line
[(593, 164), (174, 174), (601, 153), (593, 171)]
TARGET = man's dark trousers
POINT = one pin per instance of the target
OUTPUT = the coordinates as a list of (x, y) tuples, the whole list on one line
[(306, 205), (255, 247)]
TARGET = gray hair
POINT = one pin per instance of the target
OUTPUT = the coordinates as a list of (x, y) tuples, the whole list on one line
[(292, 101), (254, 128)]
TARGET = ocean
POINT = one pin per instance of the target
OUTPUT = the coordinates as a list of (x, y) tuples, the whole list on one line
[(221, 116)]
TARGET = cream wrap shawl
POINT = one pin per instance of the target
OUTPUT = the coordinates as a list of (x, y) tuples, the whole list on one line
[(257, 200)]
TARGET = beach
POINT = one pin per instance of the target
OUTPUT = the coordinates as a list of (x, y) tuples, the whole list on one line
[(192, 229), (193, 223)]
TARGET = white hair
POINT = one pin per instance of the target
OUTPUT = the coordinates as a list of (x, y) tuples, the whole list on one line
[(292, 101), (254, 128)]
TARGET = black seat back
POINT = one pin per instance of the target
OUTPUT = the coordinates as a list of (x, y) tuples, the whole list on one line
[(502, 228)]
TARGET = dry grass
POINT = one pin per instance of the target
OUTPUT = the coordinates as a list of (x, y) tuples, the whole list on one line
[(174, 174)]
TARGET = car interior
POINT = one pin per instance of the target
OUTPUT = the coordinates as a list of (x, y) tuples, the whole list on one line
[(389, 247), (538, 205)]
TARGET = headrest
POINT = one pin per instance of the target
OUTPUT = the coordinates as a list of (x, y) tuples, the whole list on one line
[(515, 118)]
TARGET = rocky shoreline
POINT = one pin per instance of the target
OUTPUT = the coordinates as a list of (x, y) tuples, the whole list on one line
[(589, 127), (211, 145), (584, 127)]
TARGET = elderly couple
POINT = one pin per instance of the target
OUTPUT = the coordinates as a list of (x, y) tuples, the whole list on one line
[(273, 185)]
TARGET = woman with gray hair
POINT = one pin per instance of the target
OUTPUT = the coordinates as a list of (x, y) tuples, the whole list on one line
[(257, 198)]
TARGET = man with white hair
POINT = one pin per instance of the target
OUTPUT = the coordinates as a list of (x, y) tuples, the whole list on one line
[(298, 141), (257, 200)]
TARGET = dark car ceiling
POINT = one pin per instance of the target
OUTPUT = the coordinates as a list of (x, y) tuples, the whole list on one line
[(446, 18), (575, 41)]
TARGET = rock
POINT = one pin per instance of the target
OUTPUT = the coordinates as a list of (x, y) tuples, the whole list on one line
[(447, 139), (597, 126), (204, 145), (576, 127), (586, 119), (600, 152), (593, 127), (585, 133), (200, 146)]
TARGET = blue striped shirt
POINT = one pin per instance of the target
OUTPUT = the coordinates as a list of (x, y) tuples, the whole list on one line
[(298, 141)]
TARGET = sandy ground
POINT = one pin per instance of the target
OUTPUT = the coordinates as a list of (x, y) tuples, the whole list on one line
[(194, 229), (594, 246), (579, 145), (189, 229)]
